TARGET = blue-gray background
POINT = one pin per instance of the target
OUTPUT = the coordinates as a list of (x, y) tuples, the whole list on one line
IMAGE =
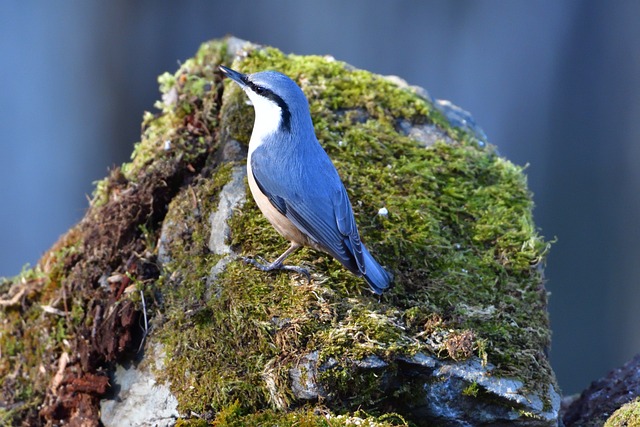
[(554, 84)]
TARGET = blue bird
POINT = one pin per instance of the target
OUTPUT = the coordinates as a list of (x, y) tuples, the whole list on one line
[(295, 184)]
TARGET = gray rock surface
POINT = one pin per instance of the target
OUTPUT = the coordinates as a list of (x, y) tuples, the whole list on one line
[(304, 384), (445, 383), (447, 398), (231, 196), (462, 119), (139, 401), (426, 135), (457, 117)]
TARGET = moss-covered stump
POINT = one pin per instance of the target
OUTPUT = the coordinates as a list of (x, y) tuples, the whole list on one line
[(460, 339)]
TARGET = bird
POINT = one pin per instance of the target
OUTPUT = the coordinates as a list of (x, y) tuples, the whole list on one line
[(294, 182)]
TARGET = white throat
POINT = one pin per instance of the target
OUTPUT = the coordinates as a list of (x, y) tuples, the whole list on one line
[(268, 118)]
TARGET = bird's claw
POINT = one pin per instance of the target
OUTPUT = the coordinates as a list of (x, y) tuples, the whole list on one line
[(265, 266), (260, 266), (262, 260), (297, 269)]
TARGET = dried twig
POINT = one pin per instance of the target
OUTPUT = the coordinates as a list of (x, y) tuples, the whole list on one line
[(146, 324), (15, 300)]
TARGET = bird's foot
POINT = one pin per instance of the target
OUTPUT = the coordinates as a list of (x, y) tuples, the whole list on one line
[(267, 266)]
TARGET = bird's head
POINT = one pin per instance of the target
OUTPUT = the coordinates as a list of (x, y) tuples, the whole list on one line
[(279, 103)]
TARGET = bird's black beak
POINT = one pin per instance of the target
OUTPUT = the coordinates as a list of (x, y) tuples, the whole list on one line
[(237, 77)]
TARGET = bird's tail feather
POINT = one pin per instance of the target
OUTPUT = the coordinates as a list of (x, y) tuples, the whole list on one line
[(376, 276)]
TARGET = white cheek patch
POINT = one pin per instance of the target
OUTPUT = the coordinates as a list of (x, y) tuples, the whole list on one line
[(268, 118)]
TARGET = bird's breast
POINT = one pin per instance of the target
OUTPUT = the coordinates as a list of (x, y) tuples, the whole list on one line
[(281, 223), (267, 120)]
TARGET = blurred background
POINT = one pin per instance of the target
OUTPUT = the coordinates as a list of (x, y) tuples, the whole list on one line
[(554, 84)]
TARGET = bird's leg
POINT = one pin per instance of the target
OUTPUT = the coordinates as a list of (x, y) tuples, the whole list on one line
[(278, 263)]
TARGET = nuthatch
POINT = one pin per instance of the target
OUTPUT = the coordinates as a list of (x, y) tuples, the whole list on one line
[(295, 184)]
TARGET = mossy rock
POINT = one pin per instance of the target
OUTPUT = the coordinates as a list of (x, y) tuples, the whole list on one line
[(461, 337), (628, 415)]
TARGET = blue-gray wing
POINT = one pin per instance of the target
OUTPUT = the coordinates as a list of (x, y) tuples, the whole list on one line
[(347, 225), (319, 206)]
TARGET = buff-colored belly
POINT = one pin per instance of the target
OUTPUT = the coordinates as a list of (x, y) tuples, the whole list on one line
[(280, 222)]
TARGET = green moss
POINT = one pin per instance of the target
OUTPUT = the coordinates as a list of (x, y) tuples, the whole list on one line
[(628, 415), (234, 416), (190, 334), (31, 338), (472, 390), (459, 237)]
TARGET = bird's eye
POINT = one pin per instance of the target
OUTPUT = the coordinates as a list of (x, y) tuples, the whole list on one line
[(260, 90)]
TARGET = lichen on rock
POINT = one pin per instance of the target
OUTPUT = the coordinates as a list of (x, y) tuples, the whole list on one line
[(460, 338)]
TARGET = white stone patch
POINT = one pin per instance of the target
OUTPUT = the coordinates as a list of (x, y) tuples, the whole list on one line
[(141, 401), (231, 196)]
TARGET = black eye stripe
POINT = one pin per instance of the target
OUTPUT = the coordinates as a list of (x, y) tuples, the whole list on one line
[(261, 90), (269, 94)]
